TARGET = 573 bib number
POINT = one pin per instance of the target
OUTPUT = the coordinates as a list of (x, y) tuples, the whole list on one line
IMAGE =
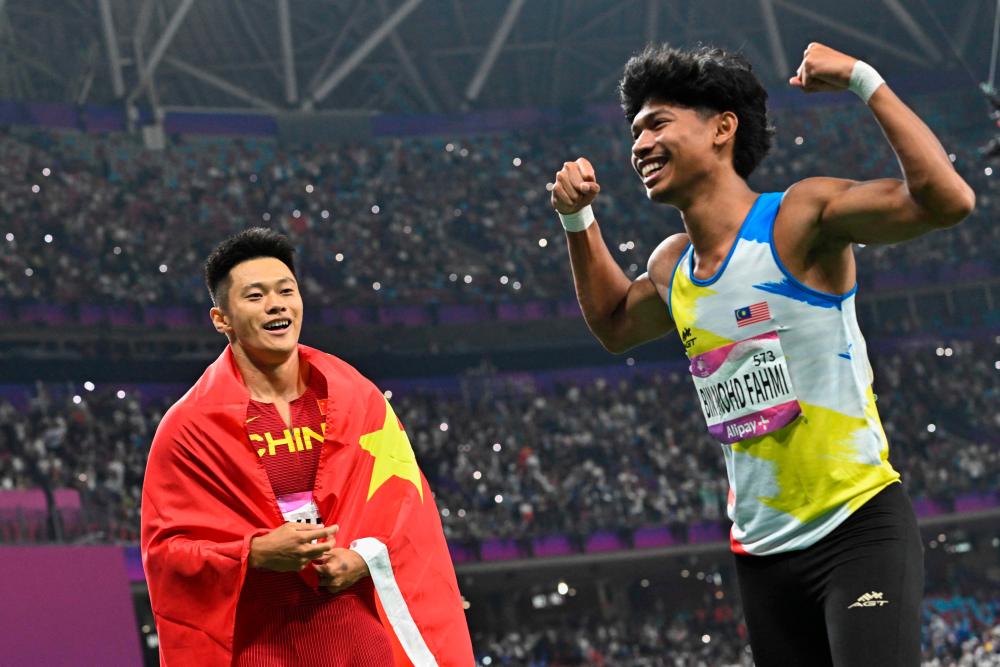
[(744, 388)]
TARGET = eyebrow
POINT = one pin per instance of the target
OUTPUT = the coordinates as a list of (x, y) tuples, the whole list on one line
[(651, 115), (259, 285)]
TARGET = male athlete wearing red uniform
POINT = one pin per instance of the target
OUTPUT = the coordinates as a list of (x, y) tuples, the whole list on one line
[(278, 456)]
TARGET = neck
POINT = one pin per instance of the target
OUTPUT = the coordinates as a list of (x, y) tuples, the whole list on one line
[(271, 380), (714, 211)]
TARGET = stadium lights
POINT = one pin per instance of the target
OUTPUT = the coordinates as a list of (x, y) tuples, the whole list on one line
[(517, 162), (88, 385), (48, 238), (46, 171), (121, 393), (36, 189)]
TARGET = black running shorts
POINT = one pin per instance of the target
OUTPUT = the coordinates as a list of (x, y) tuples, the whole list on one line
[(850, 600)]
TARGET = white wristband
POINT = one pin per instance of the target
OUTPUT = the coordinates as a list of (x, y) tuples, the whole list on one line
[(579, 221), (864, 81)]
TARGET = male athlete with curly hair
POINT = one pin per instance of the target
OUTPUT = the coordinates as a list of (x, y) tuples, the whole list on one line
[(761, 287)]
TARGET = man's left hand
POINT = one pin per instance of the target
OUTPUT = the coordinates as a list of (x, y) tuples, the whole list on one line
[(823, 70), (341, 569)]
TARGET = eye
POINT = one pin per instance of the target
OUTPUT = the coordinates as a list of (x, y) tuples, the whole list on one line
[(287, 290), (253, 296)]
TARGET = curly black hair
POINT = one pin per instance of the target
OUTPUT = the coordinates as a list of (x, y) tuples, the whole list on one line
[(703, 78), (249, 244)]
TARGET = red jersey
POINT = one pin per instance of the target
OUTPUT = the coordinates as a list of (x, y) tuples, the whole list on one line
[(280, 619)]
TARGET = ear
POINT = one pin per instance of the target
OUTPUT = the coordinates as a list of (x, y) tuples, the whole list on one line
[(725, 128), (220, 321)]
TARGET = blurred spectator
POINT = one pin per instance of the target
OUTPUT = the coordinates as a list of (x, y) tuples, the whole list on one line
[(509, 460), (91, 219)]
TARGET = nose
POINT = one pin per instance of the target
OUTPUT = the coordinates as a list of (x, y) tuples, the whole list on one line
[(643, 144), (273, 305)]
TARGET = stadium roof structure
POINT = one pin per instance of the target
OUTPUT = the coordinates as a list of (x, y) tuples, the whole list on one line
[(440, 56)]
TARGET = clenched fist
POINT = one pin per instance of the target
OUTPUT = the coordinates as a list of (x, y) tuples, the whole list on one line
[(575, 187), (823, 70), (341, 569)]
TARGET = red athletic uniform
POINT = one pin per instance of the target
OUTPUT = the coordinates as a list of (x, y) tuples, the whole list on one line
[(280, 619)]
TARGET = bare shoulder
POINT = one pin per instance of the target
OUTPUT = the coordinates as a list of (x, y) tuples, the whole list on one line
[(814, 192), (664, 258)]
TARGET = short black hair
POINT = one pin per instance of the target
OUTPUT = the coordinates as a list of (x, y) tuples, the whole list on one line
[(249, 244), (702, 78)]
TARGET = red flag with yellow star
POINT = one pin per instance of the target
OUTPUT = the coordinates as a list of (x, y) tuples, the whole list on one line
[(206, 496)]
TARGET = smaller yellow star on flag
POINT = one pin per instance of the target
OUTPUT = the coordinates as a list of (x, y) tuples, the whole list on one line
[(393, 454)]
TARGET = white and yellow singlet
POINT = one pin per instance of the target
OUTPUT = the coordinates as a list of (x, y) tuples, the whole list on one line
[(783, 378)]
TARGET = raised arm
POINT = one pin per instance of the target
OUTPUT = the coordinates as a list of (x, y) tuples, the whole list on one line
[(621, 313), (931, 194)]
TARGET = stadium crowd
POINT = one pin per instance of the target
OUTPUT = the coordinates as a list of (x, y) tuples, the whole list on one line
[(958, 631), (510, 458), (102, 220)]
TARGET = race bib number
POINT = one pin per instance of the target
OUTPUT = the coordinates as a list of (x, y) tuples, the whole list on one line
[(299, 507), (744, 388)]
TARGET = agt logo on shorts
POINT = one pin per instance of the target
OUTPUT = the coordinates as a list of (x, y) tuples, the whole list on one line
[(752, 314), (873, 599)]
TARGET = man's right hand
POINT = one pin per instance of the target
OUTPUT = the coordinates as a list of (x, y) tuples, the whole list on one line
[(575, 187), (289, 548)]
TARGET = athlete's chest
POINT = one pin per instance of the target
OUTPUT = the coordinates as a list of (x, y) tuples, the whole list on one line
[(738, 304)]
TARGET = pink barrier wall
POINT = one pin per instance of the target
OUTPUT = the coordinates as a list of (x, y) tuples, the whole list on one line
[(66, 606)]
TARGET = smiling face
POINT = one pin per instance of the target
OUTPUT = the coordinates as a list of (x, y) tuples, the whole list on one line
[(262, 311), (674, 147)]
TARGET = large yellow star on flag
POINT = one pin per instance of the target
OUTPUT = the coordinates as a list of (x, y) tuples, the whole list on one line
[(393, 454)]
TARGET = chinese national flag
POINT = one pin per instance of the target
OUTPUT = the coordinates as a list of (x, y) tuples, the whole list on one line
[(206, 496)]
